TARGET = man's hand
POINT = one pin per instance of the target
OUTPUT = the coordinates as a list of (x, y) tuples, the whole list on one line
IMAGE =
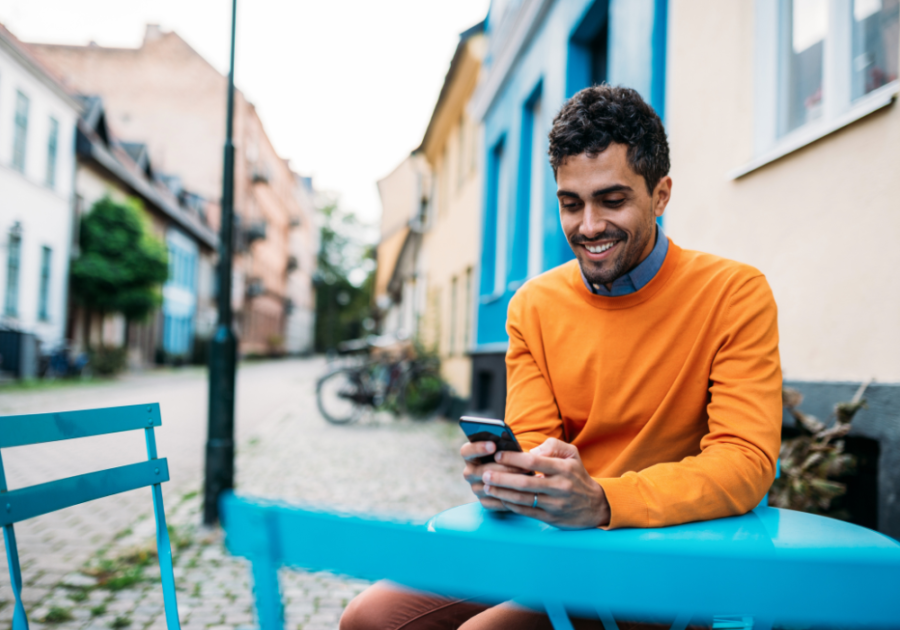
[(567, 497), (472, 452)]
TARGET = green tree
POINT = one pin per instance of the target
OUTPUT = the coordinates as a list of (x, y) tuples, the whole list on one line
[(121, 265), (345, 278)]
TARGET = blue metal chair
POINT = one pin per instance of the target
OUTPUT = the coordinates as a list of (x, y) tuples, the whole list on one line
[(24, 503), (828, 571)]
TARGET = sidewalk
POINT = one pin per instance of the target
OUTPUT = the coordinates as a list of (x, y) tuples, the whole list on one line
[(100, 576)]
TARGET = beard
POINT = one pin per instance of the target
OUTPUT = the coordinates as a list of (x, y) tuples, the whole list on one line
[(608, 271)]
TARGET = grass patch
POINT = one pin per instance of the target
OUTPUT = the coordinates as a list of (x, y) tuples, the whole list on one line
[(120, 622), (190, 495), (122, 571), (77, 595), (58, 615), (41, 385), (179, 538), (98, 610), (122, 534)]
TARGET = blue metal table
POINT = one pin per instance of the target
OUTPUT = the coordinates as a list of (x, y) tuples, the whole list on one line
[(770, 565)]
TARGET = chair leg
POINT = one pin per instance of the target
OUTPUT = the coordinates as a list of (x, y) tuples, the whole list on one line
[(164, 553), (558, 616), (606, 618), (19, 620), (269, 611)]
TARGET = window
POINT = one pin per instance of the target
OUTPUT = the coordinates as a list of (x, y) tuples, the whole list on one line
[(827, 64), (52, 142), (20, 139), (454, 308), (804, 27), (13, 260), (467, 315), (462, 152), (44, 295), (876, 39), (494, 233)]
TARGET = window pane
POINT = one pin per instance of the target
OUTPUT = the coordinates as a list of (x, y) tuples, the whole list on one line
[(20, 139), (44, 296), (14, 255), (52, 141), (805, 25), (875, 44)]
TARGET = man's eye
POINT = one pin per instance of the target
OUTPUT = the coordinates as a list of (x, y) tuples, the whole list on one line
[(614, 203), (569, 206)]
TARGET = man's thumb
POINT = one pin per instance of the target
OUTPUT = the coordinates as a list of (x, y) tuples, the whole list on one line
[(555, 448)]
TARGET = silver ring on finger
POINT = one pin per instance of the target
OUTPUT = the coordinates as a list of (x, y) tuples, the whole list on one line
[(534, 504)]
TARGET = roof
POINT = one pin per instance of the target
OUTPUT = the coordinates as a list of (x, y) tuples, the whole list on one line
[(129, 163), (21, 53)]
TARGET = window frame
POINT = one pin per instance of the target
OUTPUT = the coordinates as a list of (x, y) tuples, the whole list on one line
[(13, 275), (839, 110)]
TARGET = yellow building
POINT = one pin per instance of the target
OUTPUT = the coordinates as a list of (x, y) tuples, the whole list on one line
[(431, 204), (450, 244)]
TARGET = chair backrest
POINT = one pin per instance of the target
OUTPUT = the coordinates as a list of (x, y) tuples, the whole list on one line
[(24, 503)]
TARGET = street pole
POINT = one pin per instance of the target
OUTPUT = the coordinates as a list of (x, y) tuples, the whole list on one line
[(223, 349)]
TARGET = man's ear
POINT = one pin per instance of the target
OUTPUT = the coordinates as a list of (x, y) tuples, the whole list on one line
[(661, 196)]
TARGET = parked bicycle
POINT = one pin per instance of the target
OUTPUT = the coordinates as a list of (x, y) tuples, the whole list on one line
[(387, 375)]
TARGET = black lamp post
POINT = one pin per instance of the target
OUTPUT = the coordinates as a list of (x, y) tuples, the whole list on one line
[(223, 349)]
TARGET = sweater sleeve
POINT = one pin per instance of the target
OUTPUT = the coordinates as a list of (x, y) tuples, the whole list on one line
[(531, 409), (736, 464)]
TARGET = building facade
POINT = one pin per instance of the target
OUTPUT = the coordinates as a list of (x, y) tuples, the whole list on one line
[(168, 94), (449, 249), (784, 128), (540, 53), (122, 171), (37, 167)]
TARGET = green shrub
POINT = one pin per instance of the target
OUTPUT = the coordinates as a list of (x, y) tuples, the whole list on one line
[(108, 361)]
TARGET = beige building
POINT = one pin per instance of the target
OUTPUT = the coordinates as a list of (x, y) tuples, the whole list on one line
[(166, 94), (431, 205), (450, 243), (784, 130)]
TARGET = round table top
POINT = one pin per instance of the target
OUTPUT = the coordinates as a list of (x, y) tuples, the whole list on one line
[(780, 564)]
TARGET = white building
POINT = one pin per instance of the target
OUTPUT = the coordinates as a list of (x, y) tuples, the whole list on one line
[(37, 166)]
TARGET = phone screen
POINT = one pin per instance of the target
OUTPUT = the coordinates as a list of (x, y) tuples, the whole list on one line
[(489, 430)]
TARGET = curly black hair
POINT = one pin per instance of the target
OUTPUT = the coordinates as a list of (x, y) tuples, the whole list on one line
[(599, 115)]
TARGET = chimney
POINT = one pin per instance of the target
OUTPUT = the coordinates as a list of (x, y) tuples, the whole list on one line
[(152, 33)]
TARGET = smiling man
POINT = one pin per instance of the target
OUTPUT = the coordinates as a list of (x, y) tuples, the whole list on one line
[(644, 382)]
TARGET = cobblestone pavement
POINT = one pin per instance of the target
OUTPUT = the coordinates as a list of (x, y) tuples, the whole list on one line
[(93, 566)]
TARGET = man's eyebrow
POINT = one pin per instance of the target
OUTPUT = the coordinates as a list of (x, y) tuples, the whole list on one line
[(611, 189), (567, 193)]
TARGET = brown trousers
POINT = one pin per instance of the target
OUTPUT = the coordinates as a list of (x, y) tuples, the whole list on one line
[(386, 606)]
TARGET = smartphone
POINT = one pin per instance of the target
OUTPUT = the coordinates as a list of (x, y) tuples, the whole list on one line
[(489, 430)]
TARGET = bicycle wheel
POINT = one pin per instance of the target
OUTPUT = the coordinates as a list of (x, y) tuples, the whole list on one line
[(339, 396)]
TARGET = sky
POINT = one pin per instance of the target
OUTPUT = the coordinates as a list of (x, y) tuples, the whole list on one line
[(345, 88)]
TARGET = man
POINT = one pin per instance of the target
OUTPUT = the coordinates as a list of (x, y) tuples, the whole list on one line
[(644, 382)]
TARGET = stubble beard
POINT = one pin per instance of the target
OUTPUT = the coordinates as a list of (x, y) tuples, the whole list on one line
[(628, 259)]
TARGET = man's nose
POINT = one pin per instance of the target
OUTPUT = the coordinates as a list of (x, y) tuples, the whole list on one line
[(593, 222)]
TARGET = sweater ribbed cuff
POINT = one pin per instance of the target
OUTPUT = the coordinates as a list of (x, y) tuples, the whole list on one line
[(627, 506)]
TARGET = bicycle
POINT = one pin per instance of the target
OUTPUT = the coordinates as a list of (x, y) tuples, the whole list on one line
[(392, 377)]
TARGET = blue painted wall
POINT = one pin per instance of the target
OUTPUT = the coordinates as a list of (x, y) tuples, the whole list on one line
[(566, 53)]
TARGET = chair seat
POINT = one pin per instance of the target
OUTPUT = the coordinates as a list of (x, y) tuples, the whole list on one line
[(780, 564)]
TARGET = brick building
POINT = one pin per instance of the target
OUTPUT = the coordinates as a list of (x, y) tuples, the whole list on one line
[(166, 94)]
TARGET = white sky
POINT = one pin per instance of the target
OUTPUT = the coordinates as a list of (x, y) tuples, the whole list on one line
[(344, 88)]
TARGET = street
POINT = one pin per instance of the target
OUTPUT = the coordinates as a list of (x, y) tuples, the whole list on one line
[(285, 450)]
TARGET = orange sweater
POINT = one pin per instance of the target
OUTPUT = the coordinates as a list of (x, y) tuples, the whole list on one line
[(672, 394)]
